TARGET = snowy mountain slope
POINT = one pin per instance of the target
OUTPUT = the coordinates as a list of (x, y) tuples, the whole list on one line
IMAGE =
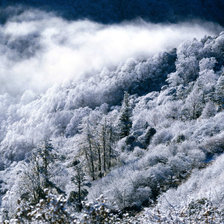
[(175, 139)]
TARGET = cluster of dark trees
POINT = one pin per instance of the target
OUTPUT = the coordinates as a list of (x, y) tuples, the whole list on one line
[(110, 11)]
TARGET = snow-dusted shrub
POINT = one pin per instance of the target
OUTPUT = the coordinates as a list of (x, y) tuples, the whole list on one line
[(214, 145), (197, 211), (209, 110), (162, 137), (51, 210)]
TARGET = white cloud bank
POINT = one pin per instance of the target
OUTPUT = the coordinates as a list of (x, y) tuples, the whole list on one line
[(39, 49)]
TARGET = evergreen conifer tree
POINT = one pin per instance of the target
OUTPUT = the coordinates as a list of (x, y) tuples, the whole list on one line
[(125, 122)]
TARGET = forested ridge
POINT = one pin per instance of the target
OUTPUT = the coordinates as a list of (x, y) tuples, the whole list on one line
[(111, 111), (121, 146)]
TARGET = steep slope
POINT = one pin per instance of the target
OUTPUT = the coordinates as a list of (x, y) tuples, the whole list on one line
[(175, 131)]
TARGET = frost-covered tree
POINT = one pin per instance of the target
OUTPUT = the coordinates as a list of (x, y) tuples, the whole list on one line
[(220, 92), (106, 136), (194, 104), (104, 143), (111, 155), (36, 183), (79, 179), (87, 148), (209, 110), (97, 141), (125, 122)]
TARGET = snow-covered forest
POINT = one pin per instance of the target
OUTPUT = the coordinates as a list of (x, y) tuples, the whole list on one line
[(110, 123)]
